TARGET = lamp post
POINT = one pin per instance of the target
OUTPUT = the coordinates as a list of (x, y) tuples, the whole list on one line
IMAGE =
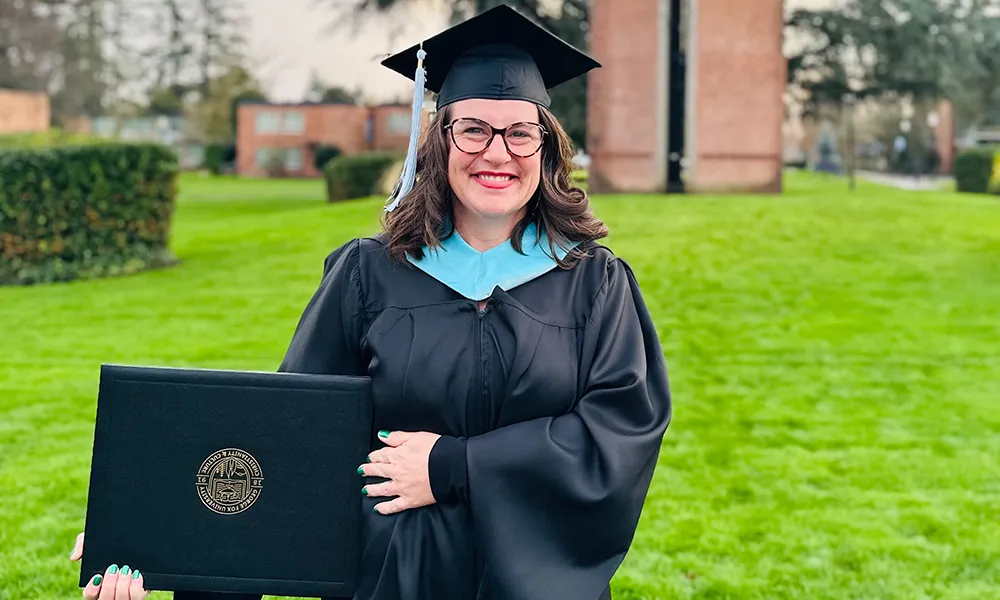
[(849, 101)]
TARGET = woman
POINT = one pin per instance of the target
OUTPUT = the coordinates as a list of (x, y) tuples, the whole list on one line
[(520, 389)]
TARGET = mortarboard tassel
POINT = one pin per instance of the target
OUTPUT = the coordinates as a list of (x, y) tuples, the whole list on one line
[(406, 180)]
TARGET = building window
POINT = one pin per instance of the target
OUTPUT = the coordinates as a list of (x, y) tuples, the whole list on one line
[(294, 122), (276, 159), (263, 157), (280, 121), (293, 159), (399, 123), (268, 121)]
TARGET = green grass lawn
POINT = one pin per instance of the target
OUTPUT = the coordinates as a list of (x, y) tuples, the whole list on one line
[(835, 363)]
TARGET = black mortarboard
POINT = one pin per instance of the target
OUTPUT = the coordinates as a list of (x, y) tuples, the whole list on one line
[(497, 55)]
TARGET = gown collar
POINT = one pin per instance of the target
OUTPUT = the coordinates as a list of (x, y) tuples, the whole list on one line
[(475, 274)]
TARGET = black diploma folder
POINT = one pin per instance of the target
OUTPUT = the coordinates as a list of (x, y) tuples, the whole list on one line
[(229, 481)]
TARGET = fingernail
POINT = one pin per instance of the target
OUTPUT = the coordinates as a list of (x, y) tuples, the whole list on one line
[(361, 470), (364, 491), (369, 458), (375, 509), (113, 569), (96, 580), (126, 571), (135, 574), (383, 434)]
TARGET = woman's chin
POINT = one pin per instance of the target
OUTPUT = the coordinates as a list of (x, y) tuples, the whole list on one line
[(495, 205)]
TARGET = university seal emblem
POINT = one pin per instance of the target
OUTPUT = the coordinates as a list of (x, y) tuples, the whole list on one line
[(229, 481)]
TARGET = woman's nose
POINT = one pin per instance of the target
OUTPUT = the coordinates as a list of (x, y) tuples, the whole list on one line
[(497, 150)]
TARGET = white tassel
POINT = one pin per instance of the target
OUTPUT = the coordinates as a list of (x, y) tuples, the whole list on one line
[(406, 180)]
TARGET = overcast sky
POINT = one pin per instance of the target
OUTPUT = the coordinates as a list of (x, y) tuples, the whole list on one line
[(290, 38)]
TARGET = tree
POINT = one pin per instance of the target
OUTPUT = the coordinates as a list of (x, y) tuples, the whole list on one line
[(214, 116), (56, 46), (320, 91), (973, 84), (872, 49)]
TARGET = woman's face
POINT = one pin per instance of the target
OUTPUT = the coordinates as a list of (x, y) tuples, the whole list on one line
[(493, 183)]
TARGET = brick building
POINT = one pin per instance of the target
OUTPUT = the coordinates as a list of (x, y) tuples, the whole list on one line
[(23, 112), (698, 80), (290, 132)]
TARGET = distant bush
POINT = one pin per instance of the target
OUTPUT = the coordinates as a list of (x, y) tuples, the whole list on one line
[(84, 211), (390, 177), (356, 176), (217, 156), (973, 169), (324, 154)]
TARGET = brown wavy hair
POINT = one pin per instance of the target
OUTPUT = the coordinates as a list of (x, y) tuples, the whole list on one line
[(560, 210)]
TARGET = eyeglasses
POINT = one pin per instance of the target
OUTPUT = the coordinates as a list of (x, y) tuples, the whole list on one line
[(472, 136)]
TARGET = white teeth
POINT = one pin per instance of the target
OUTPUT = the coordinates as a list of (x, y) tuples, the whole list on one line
[(496, 177)]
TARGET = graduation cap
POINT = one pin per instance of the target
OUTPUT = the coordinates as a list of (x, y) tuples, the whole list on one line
[(497, 55)]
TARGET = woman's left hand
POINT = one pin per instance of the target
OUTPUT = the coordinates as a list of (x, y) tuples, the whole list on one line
[(404, 464)]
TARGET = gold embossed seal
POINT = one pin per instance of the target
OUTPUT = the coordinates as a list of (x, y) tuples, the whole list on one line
[(229, 481)]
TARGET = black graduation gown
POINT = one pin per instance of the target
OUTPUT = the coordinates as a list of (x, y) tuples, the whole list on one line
[(553, 402)]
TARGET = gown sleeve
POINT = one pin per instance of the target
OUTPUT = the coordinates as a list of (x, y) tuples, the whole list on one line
[(327, 339), (556, 501)]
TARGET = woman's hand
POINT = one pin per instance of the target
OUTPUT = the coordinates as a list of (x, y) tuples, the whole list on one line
[(115, 584), (404, 463)]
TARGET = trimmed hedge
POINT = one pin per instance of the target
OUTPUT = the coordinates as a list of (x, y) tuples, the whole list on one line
[(356, 176), (217, 156), (324, 154), (79, 212), (973, 168)]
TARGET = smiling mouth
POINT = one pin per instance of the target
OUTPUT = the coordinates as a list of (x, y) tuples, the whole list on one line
[(495, 181)]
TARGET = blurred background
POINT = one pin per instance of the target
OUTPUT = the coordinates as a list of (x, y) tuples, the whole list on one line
[(806, 190)]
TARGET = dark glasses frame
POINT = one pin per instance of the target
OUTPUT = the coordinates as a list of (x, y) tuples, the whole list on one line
[(495, 131)]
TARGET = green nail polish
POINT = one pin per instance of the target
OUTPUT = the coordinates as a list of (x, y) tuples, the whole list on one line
[(364, 491), (374, 509), (126, 571), (113, 569), (135, 574), (383, 434), (97, 580), (361, 470)]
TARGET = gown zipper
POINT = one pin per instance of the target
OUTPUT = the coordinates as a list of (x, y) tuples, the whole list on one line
[(484, 416), (483, 413)]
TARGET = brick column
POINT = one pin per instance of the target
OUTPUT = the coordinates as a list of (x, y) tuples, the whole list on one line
[(735, 87), (626, 111), (944, 134)]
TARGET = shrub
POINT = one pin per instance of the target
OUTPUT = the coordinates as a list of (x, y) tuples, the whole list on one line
[(390, 177), (324, 154), (218, 156), (973, 168), (84, 211), (274, 164), (356, 176)]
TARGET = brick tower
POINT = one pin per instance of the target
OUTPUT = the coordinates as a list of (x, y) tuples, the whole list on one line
[(698, 79)]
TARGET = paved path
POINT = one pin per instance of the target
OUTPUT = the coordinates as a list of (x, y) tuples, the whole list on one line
[(904, 182)]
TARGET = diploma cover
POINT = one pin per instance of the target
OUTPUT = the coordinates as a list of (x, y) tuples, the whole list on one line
[(229, 481)]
